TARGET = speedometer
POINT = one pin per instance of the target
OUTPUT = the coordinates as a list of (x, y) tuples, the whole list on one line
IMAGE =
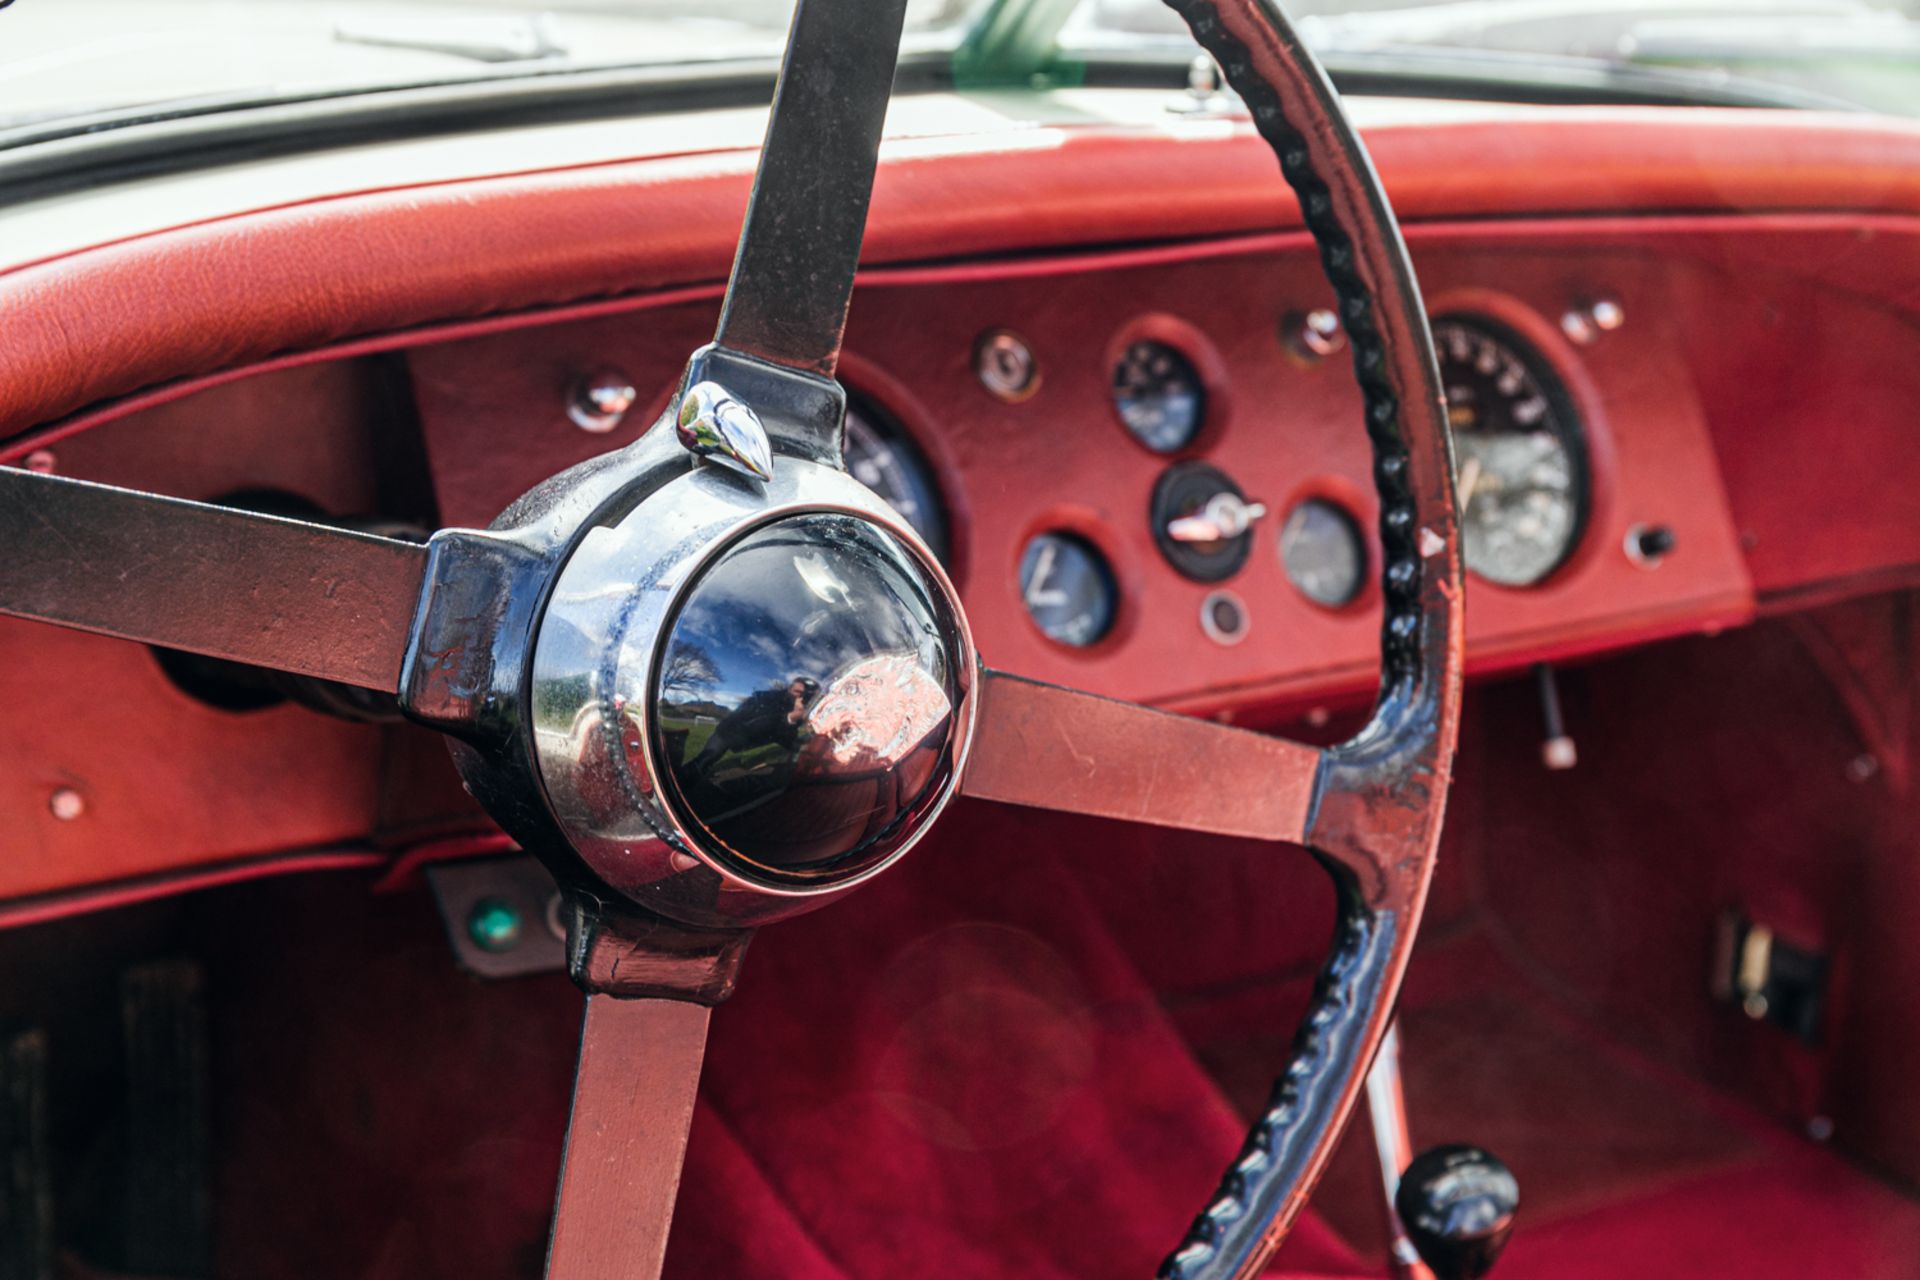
[(1520, 450), (880, 457)]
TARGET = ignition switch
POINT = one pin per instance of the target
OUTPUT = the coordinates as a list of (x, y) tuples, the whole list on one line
[(1202, 521)]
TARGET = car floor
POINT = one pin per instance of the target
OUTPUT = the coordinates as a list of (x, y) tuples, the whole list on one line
[(965, 1074), (1624, 1164)]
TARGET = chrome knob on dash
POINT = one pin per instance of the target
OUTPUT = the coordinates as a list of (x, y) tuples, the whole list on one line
[(600, 401), (1224, 517)]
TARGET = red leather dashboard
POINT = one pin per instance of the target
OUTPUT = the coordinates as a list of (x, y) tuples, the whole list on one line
[(1766, 264)]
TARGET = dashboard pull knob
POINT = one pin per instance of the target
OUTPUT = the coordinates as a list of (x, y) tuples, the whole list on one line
[(1457, 1204), (599, 402), (1557, 748)]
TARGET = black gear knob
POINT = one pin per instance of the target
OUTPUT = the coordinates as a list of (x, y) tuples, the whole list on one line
[(1457, 1203)]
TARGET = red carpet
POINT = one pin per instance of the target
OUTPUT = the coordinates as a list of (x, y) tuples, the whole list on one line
[(959, 1074), (1625, 1167)]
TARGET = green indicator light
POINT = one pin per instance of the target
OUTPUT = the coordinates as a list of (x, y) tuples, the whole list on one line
[(494, 925)]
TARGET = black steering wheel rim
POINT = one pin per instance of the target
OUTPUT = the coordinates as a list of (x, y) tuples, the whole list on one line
[(1381, 796)]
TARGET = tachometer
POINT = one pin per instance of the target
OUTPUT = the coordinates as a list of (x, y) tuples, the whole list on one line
[(880, 457), (1520, 449)]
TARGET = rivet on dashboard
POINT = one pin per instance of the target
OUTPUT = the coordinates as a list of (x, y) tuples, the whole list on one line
[(1584, 322), (600, 401), (1005, 365), (1312, 336), (66, 804)]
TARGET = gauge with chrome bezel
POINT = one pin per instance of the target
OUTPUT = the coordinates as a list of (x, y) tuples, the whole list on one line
[(1068, 589), (1323, 553), (1520, 450), (880, 456), (1158, 395)]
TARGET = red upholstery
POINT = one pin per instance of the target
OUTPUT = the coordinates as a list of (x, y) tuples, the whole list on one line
[(963, 1071)]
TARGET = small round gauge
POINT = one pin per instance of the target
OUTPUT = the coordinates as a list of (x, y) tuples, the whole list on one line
[(880, 457), (1157, 393), (1324, 556), (1068, 589), (1520, 449)]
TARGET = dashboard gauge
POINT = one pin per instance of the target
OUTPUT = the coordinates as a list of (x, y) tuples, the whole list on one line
[(1068, 589), (1322, 551), (1157, 393), (1520, 450), (880, 457)]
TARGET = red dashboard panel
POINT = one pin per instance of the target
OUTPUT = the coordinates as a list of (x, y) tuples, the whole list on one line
[(492, 408), (165, 780)]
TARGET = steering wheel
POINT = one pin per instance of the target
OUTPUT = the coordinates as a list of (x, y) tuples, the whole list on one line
[(569, 654)]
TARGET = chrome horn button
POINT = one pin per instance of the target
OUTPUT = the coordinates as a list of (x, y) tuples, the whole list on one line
[(806, 698), (748, 698)]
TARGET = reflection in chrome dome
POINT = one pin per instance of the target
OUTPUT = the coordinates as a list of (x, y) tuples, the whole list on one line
[(806, 696)]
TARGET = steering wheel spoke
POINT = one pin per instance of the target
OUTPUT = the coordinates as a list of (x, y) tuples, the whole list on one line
[(1047, 747), (293, 595), (633, 1101)]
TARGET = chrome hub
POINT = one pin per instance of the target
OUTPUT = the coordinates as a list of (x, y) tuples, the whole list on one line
[(806, 698), (748, 697)]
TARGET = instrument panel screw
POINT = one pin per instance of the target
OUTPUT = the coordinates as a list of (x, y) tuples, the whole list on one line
[(494, 924), (66, 804), (1006, 366), (600, 401)]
